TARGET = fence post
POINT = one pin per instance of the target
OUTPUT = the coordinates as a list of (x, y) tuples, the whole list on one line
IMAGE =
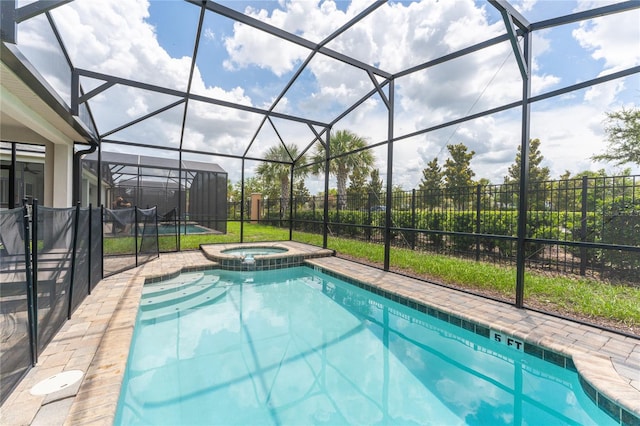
[(413, 219), (102, 239), (89, 249), (269, 205), (583, 226), (369, 196), (293, 209), (338, 215), (31, 297), (155, 216), (477, 230), (135, 231), (73, 259), (34, 269)]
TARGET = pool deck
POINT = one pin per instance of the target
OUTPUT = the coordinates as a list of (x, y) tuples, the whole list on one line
[(96, 340)]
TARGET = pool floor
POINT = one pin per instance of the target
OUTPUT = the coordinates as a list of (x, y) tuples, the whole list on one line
[(96, 340)]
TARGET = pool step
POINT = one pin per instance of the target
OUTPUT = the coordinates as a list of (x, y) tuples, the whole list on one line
[(180, 278), (169, 305), (170, 296), (177, 284), (172, 311)]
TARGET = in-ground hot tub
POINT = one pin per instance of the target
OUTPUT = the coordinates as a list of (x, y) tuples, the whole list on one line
[(253, 256), (261, 256), (254, 251)]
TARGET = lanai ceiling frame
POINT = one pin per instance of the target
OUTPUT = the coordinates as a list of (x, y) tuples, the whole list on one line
[(184, 97), (518, 32), (16, 15)]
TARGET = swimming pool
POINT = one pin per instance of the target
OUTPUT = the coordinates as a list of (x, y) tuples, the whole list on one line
[(164, 228), (296, 346)]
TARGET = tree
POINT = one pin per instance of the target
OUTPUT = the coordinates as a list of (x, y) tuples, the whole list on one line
[(537, 175), (251, 185), (357, 191), (431, 183), (343, 142), (233, 191), (431, 176), (301, 193), (278, 169), (487, 200), (300, 190), (375, 184), (374, 189), (623, 134), (458, 176)]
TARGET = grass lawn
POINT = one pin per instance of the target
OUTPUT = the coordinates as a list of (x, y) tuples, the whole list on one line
[(616, 306)]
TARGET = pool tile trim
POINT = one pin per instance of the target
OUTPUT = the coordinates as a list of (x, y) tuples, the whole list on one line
[(609, 406), (295, 255)]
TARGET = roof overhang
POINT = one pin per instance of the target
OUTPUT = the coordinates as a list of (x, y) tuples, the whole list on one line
[(30, 110)]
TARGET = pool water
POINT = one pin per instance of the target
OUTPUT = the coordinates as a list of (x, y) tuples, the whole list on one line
[(184, 229), (170, 229), (254, 251), (295, 346)]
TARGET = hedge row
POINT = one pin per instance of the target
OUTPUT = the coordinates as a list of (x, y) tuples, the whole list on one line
[(560, 226), (564, 226)]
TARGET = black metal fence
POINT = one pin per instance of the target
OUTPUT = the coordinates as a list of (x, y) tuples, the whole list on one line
[(586, 226), (49, 262)]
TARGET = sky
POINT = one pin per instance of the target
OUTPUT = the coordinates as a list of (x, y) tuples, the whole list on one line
[(153, 42)]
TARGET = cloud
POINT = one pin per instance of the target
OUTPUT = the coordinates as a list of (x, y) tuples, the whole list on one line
[(614, 39), (209, 34), (310, 19), (247, 48), (524, 5)]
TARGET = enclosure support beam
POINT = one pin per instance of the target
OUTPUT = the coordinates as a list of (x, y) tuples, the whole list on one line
[(242, 202), (524, 176), (8, 21), (586, 14), (325, 218), (506, 8), (180, 209), (12, 177), (36, 8), (291, 198), (522, 65), (12, 15), (389, 199)]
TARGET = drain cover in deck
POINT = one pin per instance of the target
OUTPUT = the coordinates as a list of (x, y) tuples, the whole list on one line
[(56, 382)]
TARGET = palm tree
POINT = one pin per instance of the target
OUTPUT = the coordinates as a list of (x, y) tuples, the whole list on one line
[(279, 169), (342, 142)]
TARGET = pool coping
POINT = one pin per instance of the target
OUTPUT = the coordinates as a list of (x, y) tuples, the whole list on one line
[(295, 254), (96, 340)]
